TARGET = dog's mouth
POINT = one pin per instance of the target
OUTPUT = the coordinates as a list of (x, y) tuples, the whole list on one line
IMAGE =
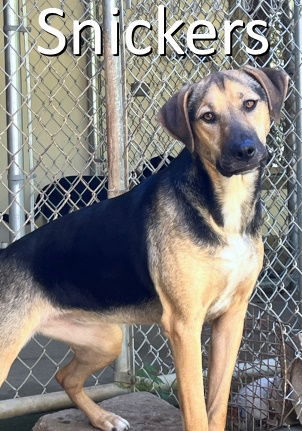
[(229, 169)]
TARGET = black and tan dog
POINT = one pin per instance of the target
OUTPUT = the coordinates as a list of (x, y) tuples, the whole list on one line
[(180, 248)]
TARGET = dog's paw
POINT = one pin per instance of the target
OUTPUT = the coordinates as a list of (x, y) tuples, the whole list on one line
[(111, 422)]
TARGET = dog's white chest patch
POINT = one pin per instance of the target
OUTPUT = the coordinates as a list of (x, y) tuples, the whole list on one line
[(236, 262)]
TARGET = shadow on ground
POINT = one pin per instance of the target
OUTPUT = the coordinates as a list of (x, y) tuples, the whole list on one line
[(21, 423)]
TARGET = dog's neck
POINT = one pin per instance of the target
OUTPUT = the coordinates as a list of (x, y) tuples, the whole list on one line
[(238, 197), (231, 205)]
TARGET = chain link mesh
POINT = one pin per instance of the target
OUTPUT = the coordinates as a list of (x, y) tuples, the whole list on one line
[(64, 167)]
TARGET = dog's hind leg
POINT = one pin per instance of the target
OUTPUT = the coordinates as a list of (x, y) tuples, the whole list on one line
[(95, 346)]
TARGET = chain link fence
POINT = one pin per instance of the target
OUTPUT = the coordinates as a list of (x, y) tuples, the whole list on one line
[(54, 159), (262, 388)]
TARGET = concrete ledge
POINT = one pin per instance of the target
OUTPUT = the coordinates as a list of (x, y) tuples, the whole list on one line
[(144, 411)]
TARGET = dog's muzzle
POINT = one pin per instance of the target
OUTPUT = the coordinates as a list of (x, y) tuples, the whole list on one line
[(241, 158)]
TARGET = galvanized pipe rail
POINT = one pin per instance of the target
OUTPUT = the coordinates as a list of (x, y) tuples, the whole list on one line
[(93, 73), (116, 138), (55, 400), (14, 100)]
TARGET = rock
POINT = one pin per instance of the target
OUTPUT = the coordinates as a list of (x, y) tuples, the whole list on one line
[(144, 411)]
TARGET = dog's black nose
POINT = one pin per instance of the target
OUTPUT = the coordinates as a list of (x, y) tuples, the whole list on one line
[(245, 151)]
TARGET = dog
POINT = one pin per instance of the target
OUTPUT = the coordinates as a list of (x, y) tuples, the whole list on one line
[(182, 247)]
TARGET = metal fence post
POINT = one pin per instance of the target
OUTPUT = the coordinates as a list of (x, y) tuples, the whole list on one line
[(93, 65), (29, 137), (12, 28), (116, 140)]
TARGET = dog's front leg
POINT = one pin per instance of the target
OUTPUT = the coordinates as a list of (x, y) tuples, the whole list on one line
[(225, 343), (184, 336)]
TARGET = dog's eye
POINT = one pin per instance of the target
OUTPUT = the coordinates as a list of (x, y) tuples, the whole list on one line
[(209, 117), (249, 105)]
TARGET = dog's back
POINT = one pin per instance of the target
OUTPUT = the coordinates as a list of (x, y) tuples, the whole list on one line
[(85, 259)]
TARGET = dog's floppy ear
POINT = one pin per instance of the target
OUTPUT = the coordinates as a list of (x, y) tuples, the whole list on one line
[(275, 85), (174, 117)]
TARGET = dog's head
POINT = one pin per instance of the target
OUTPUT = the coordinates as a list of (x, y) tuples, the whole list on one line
[(226, 117)]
